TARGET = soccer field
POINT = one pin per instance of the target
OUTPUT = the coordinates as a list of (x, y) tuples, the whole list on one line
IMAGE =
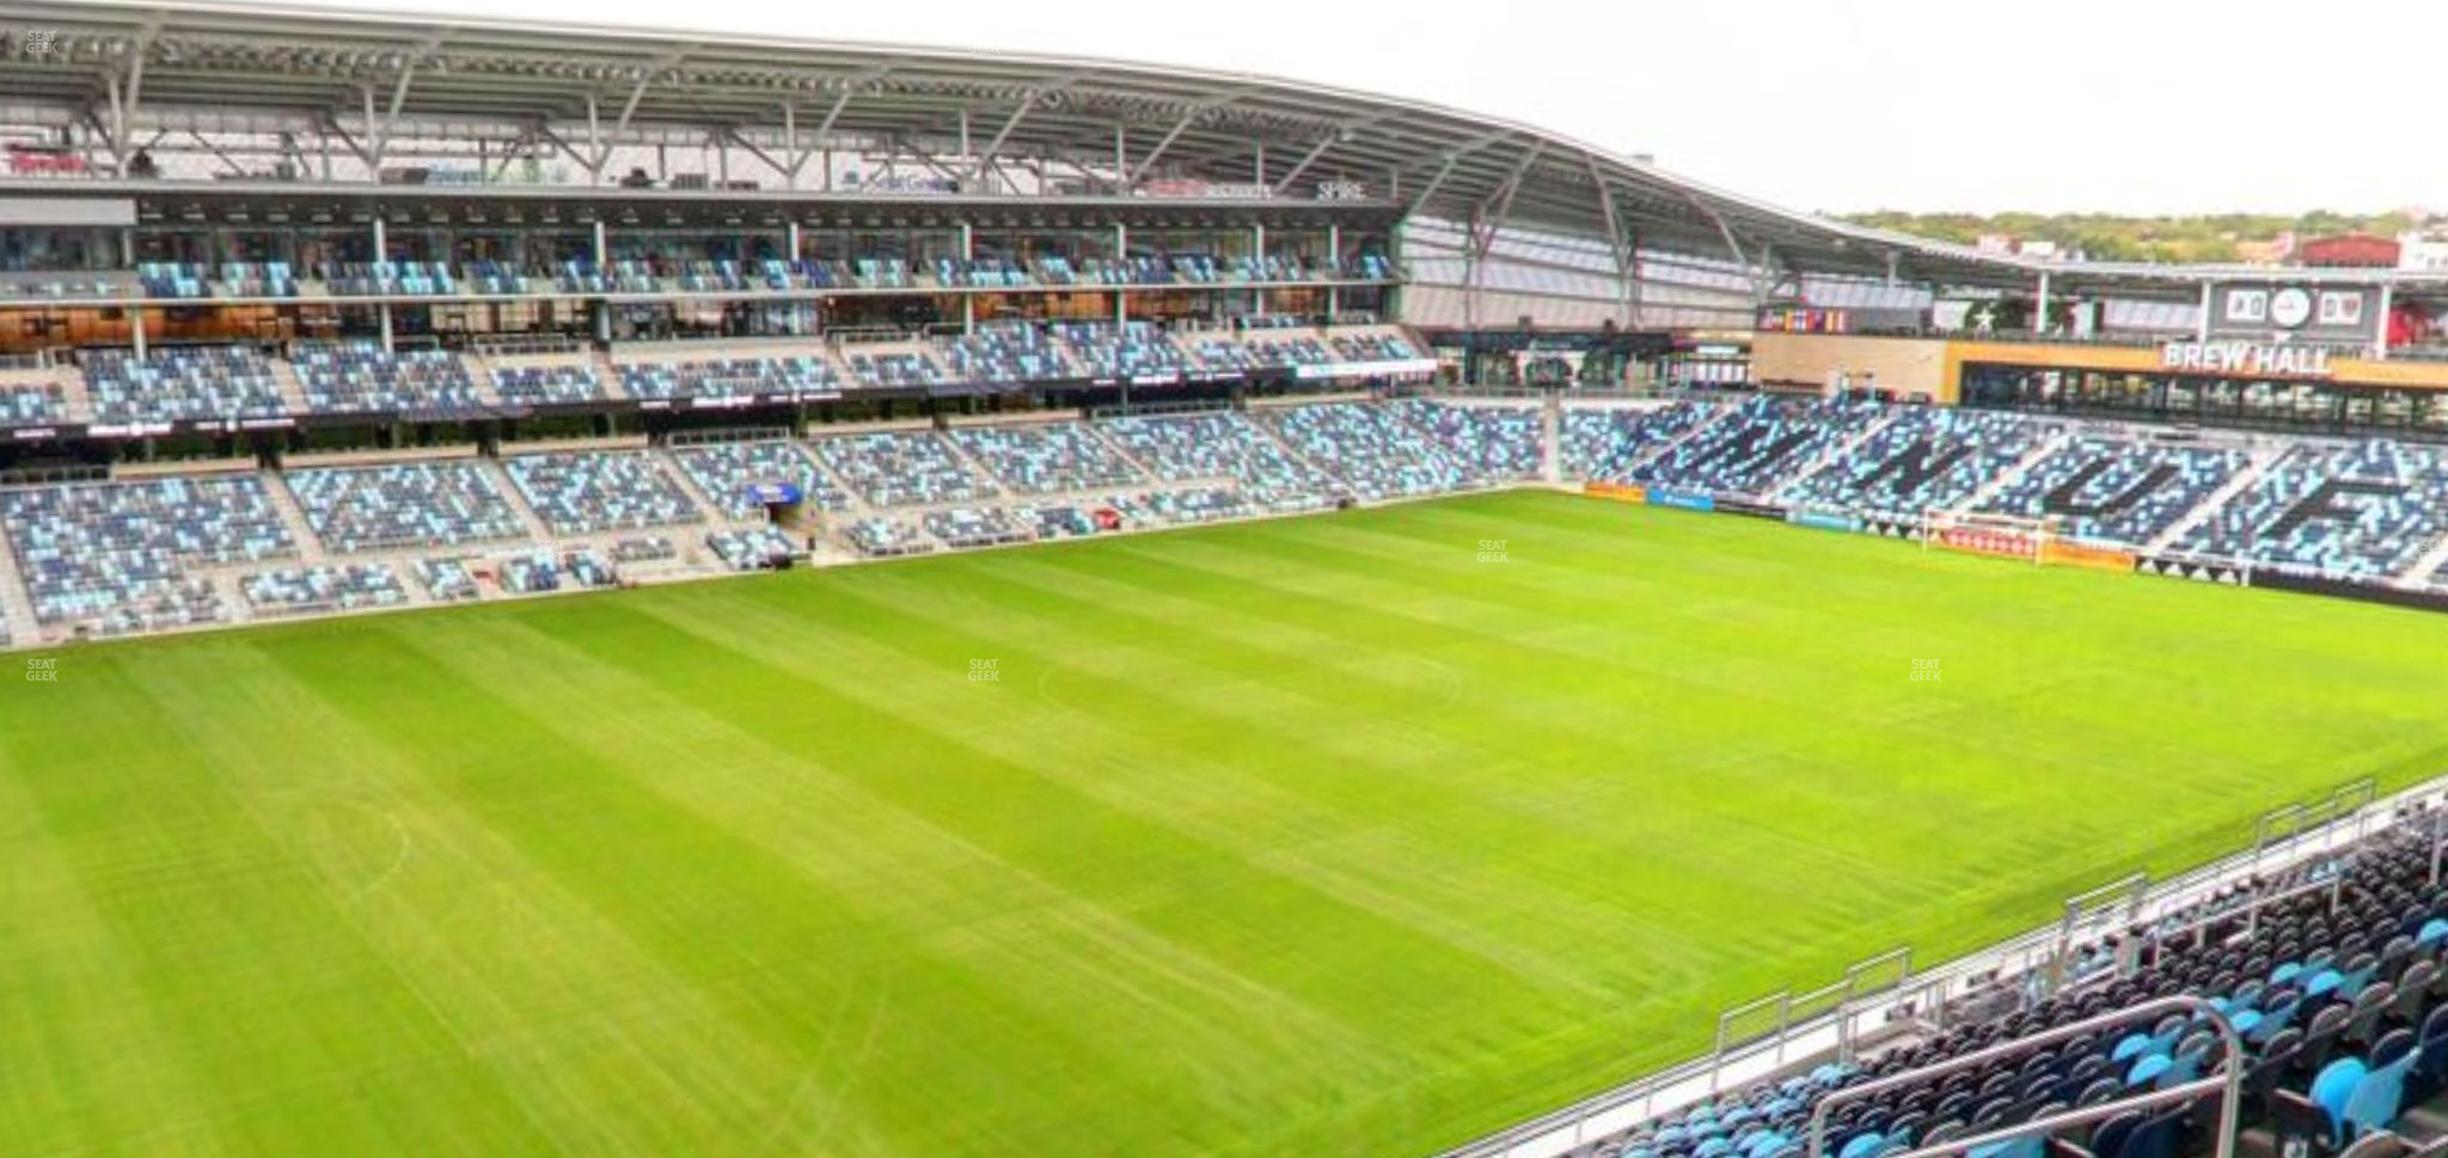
[(1312, 836)]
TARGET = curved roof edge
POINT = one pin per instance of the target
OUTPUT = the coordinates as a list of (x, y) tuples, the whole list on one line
[(1126, 120)]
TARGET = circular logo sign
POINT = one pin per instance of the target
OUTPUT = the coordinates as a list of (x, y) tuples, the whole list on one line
[(2291, 307)]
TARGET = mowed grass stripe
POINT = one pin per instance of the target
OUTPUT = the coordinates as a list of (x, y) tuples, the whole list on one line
[(1018, 921), (536, 986), (267, 995), (1309, 836)]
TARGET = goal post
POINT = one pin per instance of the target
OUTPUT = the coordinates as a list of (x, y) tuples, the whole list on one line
[(2002, 536)]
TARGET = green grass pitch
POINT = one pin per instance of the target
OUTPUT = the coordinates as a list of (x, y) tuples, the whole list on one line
[(1316, 836)]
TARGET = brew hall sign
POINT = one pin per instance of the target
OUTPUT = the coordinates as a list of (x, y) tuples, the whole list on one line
[(2249, 359)]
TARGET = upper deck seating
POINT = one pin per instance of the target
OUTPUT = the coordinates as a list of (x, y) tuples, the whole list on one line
[(359, 378), (1135, 350), (1005, 355), (894, 368), (171, 279), (742, 377), (390, 279), (25, 402), (542, 384), (181, 383), (269, 279)]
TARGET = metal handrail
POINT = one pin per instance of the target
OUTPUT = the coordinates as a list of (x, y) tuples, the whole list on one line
[(2231, 1066)]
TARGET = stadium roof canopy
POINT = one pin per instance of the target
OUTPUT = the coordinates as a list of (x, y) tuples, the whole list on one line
[(128, 69), (125, 71)]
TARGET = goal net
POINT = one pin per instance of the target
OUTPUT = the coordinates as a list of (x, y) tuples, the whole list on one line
[(2004, 536)]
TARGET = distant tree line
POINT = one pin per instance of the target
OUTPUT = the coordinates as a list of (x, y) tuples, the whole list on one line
[(2116, 237)]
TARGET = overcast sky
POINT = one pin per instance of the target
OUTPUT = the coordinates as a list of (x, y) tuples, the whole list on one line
[(1837, 105)]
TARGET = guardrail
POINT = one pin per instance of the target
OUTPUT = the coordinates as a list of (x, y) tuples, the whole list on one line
[(2229, 1082), (1926, 1000)]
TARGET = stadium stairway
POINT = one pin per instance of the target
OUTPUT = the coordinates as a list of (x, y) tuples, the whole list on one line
[(285, 380), (2430, 564), (2023, 466), (1096, 430), (978, 474), (537, 532), (1834, 453), (1717, 413), (1267, 431), (16, 603), (2263, 457), (293, 517), (717, 511), (1551, 430), (480, 376)]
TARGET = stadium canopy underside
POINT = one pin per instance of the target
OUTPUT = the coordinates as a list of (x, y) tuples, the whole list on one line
[(349, 95)]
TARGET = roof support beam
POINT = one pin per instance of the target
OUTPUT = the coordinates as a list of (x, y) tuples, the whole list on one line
[(1181, 126), (1620, 244), (1484, 227), (994, 144), (378, 131), (733, 137), (1301, 166), (596, 146)]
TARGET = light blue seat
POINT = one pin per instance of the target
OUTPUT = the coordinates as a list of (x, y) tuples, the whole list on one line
[(2333, 1089), (2147, 1070)]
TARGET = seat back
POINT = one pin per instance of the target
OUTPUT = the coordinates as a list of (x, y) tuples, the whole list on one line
[(2332, 1090)]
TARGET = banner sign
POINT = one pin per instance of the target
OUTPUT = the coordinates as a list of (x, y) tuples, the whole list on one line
[(1751, 509), (1620, 492), (2198, 570), (2088, 556), (1987, 541), (1888, 528), (2315, 584), (1825, 521), (769, 494), (1681, 500), (1367, 369)]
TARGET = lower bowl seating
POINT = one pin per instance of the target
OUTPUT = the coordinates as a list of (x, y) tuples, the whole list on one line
[(309, 590), (116, 558), (1046, 458), (900, 468), (586, 492), (404, 505)]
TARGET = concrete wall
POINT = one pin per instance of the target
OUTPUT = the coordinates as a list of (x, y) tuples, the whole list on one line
[(1908, 366)]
